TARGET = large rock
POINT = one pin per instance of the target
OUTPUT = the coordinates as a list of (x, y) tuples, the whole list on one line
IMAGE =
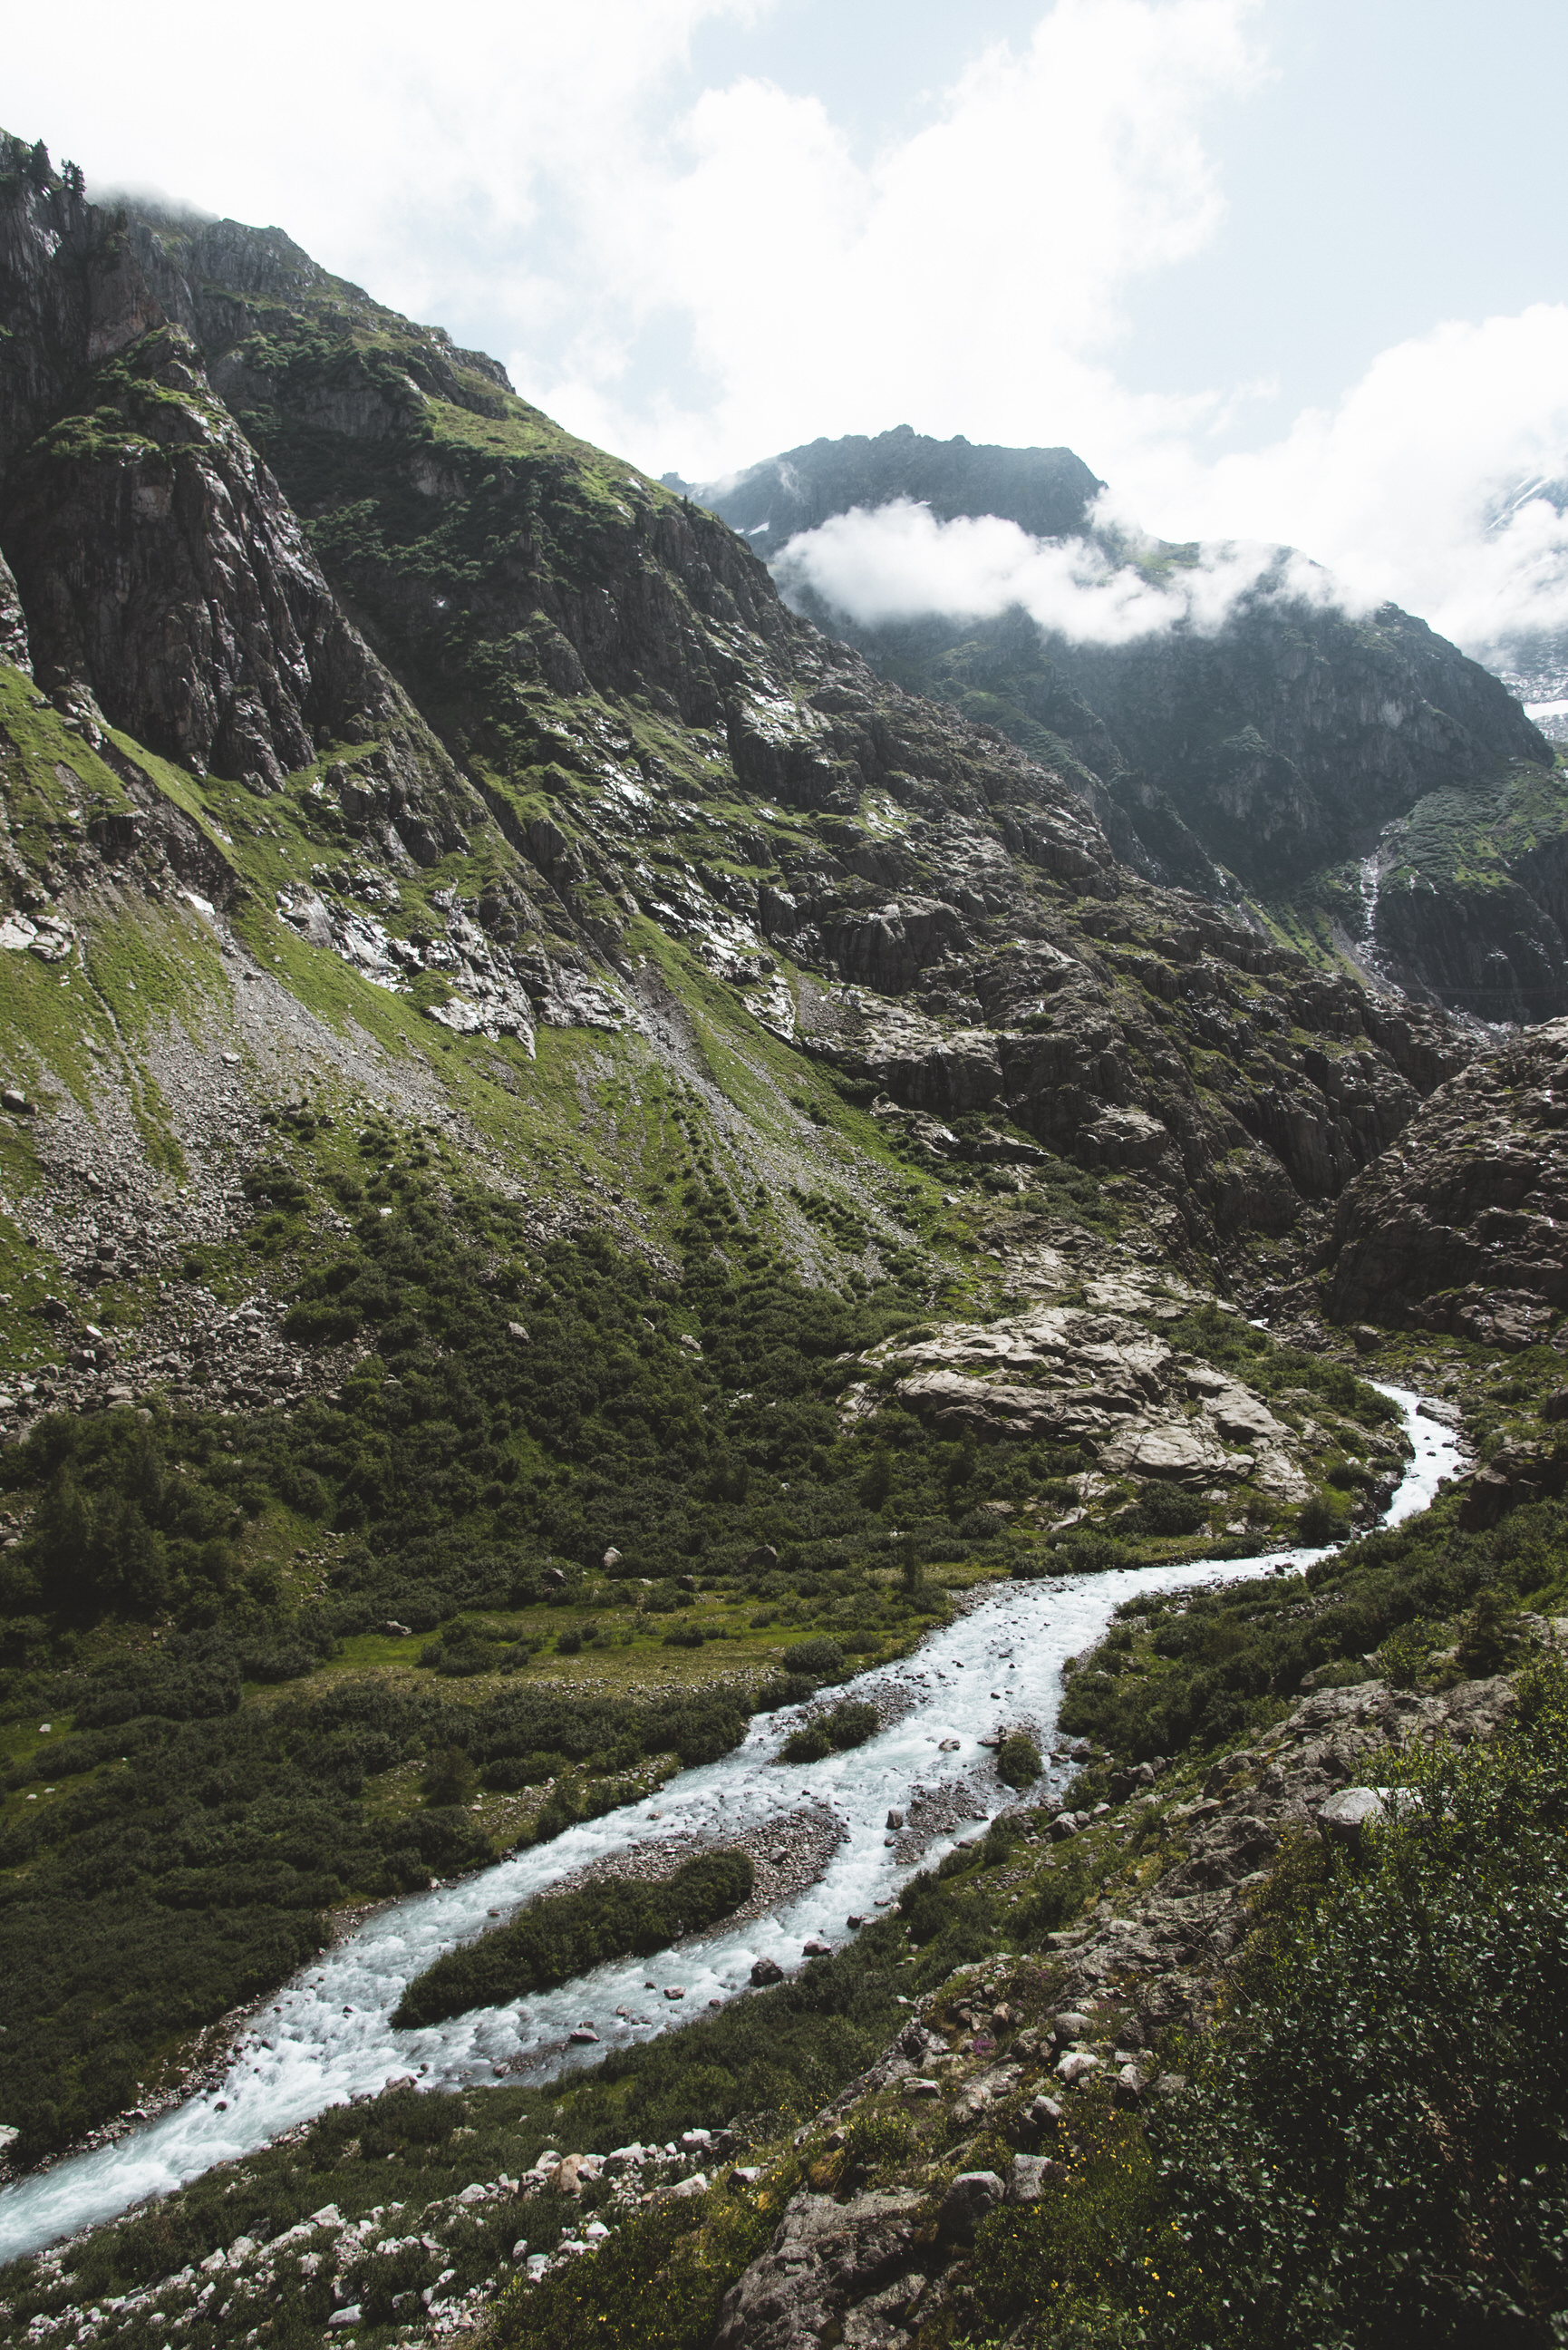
[(826, 2260), (1081, 1376), (1346, 1816), (972, 2196)]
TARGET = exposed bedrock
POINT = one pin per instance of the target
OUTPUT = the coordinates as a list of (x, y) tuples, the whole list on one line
[(1463, 1226)]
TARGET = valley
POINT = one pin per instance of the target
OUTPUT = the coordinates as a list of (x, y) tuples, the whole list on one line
[(920, 1264)]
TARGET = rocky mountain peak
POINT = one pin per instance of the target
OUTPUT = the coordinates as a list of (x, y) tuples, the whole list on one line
[(1047, 492), (1355, 781)]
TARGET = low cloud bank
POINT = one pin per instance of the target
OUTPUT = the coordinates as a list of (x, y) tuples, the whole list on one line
[(1438, 480), (898, 562)]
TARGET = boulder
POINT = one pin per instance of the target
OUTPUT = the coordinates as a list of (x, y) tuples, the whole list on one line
[(972, 2194), (766, 1971), (1347, 1816), (1026, 2177), (824, 2264)]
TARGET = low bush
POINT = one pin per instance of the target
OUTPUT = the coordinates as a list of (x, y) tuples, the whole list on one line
[(821, 1658), (1018, 1762), (849, 1724)]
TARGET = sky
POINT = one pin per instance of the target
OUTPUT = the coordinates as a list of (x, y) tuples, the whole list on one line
[(1279, 270)]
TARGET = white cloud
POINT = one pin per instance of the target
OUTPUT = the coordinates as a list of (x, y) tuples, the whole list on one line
[(698, 276), (975, 271), (440, 158), (1407, 489), (899, 561), (692, 276)]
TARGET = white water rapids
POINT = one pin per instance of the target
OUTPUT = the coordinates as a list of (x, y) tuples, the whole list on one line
[(326, 2036)]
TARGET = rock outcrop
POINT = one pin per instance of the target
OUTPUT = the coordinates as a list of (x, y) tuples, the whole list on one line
[(1461, 1226), (1082, 1378), (156, 560)]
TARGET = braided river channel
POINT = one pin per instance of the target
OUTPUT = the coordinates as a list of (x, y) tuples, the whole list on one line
[(326, 2036)]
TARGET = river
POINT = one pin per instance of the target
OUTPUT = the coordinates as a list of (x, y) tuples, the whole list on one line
[(326, 2036)]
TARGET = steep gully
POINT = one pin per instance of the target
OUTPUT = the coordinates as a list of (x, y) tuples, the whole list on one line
[(327, 2037)]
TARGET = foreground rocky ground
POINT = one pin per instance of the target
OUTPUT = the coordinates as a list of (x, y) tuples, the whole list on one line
[(973, 2104)]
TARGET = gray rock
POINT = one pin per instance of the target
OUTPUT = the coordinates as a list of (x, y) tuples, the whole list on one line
[(766, 1971), (1076, 2064), (1346, 1816), (826, 2260), (1026, 2177), (972, 2194)]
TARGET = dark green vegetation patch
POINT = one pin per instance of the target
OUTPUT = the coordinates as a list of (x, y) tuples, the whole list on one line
[(1371, 2156), (1206, 1667), (565, 1934)]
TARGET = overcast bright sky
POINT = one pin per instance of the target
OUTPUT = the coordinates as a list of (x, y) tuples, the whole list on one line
[(1281, 269)]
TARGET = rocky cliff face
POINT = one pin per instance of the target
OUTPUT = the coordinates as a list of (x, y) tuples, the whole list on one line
[(1460, 1227), (1267, 757), (537, 715), (154, 559)]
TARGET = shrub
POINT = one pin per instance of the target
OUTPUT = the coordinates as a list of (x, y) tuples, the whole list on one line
[(1315, 1522), (783, 1689), (848, 1724), (1167, 1510), (822, 1658), (809, 1744), (1018, 1761), (451, 1777), (851, 1723)]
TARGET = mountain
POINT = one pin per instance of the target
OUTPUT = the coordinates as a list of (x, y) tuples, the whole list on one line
[(1374, 797), (578, 1166), (474, 713), (1048, 491)]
